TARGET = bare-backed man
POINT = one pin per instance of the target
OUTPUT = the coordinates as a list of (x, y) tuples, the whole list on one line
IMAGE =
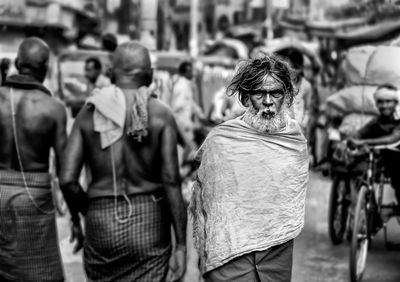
[(128, 140), (31, 123)]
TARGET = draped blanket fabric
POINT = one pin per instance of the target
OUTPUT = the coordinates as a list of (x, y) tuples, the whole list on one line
[(137, 249), (29, 250), (250, 191)]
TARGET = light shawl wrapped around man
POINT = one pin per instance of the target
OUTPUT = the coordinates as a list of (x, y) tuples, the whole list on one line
[(261, 203), (250, 190)]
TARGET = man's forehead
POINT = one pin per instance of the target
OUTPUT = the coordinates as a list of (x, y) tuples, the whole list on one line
[(89, 65), (270, 83)]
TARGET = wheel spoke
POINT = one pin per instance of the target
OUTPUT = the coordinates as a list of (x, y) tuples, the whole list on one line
[(360, 237), (362, 257)]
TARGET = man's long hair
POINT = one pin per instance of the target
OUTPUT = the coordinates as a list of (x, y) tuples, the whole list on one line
[(250, 75)]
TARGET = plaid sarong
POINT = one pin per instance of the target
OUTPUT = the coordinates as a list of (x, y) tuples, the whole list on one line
[(136, 250), (29, 250)]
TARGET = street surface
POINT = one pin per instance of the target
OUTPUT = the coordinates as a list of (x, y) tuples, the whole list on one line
[(315, 258)]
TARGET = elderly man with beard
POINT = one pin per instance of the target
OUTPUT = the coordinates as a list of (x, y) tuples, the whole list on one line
[(249, 197)]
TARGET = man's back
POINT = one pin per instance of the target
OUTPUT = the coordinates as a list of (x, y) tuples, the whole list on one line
[(128, 140), (31, 122), (138, 165), (35, 115)]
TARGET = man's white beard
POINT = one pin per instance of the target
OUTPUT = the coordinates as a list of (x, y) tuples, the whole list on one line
[(264, 124)]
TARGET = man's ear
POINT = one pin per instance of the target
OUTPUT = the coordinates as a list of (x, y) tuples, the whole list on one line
[(148, 77), (246, 101), (110, 73), (16, 64)]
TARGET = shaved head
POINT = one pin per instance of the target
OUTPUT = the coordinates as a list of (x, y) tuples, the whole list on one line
[(132, 59), (33, 57)]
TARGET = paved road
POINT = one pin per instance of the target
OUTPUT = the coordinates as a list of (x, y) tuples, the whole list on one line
[(315, 258)]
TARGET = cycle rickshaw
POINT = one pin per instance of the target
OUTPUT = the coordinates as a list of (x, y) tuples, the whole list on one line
[(370, 214), (344, 181)]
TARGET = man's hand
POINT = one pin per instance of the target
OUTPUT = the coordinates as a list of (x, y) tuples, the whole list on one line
[(353, 143), (77, 235), (177, 264)]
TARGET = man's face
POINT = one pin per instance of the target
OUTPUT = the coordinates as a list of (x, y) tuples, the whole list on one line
[(386, 107), (269, 99), (91, 72), (189, 72)]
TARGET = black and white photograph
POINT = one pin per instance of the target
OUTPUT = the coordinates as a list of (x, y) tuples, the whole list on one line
[(199, 141)]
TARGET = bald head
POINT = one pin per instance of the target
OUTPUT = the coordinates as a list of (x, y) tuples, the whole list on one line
[(131, 59), (33, 57)]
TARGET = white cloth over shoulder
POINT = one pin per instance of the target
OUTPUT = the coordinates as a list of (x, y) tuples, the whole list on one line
[(250, 191), (111, 115)]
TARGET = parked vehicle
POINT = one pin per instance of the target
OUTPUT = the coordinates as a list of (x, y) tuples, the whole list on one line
[(371, 213)]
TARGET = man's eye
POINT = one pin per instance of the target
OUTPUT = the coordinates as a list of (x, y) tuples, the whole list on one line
[(277, 94), (258, 95)]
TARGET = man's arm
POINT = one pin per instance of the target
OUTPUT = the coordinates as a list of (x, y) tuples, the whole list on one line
[(366, 131), (308, 94), (384, 140), (171, 183), (60, 135), (72, 164), (171, 180)]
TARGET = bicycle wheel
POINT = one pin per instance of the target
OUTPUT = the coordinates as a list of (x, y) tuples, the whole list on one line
[(360, 238), (338, 209)]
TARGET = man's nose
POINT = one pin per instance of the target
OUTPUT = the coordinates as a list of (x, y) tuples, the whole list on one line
[(267, 101)]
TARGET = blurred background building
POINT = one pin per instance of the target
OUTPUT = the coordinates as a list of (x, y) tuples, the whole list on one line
[(181, 24)]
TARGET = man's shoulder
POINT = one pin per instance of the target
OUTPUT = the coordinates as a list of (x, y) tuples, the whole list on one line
[(373, 122), (46, 103), (181, 82), (103, 81), (52, 104), (158, 109), (52, 108), (85, 114), (231, 128)]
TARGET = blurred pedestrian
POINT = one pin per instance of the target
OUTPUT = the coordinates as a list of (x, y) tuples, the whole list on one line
[(384, 130), (249, 198), (128, 139), (94, 76), (32, 123), (93, 79), (225, 107), (4, 69), (302, 101), (187, 112)]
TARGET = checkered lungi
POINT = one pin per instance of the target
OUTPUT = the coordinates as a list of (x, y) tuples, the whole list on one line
[(29, 250), (135, 250)]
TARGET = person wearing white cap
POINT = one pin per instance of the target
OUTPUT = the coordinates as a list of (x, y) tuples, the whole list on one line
[(385, 129)]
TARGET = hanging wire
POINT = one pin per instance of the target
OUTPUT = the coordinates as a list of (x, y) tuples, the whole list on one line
[(117, 218), (13, 114)]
